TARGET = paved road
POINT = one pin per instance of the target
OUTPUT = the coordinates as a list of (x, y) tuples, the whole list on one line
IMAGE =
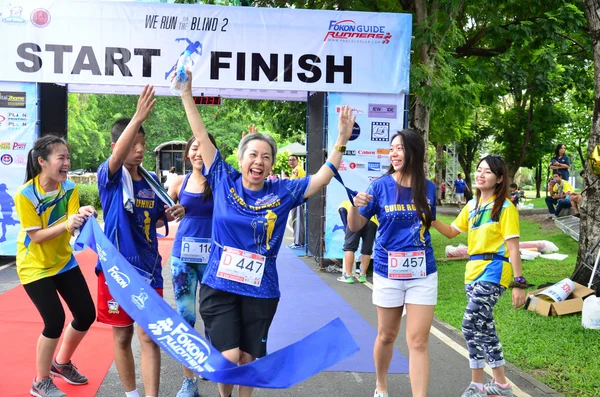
[(449, 366)]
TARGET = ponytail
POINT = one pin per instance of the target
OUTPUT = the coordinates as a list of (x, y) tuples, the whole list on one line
[(43, 147)]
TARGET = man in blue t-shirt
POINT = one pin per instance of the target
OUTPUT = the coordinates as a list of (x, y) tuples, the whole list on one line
[(459, 190), (131, 226)]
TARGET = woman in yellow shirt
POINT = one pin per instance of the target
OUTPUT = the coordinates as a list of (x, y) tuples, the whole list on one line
[(492, 224), (48, 208)]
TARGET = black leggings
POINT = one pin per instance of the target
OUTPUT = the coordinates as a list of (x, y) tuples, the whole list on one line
[(74, 290)]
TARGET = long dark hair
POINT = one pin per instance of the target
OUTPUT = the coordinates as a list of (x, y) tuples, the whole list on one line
[(413, 165), (498, 168), (557, 149), (207, 190), (43, 147)]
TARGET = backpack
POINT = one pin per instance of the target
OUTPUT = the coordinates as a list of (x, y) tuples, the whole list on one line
[(594, 160)]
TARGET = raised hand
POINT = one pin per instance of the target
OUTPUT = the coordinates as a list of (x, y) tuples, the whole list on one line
[(346, 123), (145, 103), (362, 199), (251, 130)]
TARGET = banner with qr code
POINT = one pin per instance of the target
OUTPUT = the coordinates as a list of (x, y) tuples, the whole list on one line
[(378, 118), (168, 329)]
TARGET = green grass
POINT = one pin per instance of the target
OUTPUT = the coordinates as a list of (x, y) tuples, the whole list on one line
[(557, 351)]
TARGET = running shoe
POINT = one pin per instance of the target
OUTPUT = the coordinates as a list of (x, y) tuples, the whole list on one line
[(189, 388), (45, 388), (346, 279), (495, 390), (67, 372), (380, 394), (473, 391), (362, 279)]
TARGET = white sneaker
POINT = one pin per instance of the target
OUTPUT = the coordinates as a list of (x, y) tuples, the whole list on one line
[(380, 394)]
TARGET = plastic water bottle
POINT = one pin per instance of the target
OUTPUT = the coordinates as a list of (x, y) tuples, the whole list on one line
[(180, 80)]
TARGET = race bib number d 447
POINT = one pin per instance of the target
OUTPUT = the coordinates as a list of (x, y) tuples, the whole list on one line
[(405, 265), (241, 266)]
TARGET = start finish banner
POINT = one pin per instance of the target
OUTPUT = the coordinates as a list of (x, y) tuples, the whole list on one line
[(18, 131), (133, 44), (378, 118)]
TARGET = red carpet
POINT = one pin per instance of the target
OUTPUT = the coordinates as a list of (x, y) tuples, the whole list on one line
[(21, 327)]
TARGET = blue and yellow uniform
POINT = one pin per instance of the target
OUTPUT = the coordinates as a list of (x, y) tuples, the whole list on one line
[(38, 209), (486, 236)]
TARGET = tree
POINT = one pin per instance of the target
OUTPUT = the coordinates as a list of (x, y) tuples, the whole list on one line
[(87, 143), (590, 213)]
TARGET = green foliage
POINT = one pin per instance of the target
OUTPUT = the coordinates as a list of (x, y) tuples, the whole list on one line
[(88, 195)]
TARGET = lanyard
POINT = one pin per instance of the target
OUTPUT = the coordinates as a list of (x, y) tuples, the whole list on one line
[(351, 193)]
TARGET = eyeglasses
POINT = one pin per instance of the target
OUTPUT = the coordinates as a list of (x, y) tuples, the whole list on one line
[(292, 160)]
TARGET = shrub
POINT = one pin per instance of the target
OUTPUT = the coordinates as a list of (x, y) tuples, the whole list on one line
[(88, 195)]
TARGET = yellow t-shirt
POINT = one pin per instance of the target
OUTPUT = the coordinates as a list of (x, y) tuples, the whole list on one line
[(301, 172), (40, 210), (486, 236), (346, 204), (563, 187)]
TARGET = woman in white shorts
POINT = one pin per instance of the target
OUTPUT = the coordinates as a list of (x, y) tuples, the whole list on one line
[(405, 271)]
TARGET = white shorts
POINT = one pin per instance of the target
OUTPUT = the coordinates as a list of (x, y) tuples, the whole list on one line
[(460, 197), (395, 293)]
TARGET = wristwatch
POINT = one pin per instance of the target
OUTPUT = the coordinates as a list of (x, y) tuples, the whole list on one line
[(340, 148), (520, 279)]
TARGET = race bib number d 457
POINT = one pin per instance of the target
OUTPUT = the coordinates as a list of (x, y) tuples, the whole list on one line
[(405, 265), (241, 266)]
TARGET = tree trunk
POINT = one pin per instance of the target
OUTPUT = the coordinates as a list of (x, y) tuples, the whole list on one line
[(538, 179), (590, 212), (421, 115), (439, 175)]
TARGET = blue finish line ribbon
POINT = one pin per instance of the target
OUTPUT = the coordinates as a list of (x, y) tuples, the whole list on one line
[(351, 193), (281, 369)]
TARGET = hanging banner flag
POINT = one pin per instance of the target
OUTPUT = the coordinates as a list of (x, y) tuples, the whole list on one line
[(119, 45), (281, 369), (378, 118), (18, 131)]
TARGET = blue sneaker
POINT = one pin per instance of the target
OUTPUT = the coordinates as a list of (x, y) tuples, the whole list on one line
[(189, 388)]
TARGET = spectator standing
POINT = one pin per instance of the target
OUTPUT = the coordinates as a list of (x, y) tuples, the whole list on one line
[(459, 190), (171, 177), (514, 194), (298, 218), (351, 240), (560, 162)]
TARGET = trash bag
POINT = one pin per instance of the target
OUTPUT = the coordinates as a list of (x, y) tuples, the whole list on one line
[(590, 314)]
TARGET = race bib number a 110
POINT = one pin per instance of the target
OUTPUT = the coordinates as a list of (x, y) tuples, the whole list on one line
[(241, 266), (405, 265), (195, 250)]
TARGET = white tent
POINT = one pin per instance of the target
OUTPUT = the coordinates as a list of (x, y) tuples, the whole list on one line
[(295, 148)]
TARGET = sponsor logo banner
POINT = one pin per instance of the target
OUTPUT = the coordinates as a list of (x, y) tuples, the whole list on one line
[(140, 43)]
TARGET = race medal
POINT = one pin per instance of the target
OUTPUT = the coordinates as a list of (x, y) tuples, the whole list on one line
[(195, 250), (406, 265), (241, 266)]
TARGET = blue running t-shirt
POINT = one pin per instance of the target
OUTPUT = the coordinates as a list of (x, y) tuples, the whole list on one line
[(253, 221), (460, 185), (134, 234), (400, 230)]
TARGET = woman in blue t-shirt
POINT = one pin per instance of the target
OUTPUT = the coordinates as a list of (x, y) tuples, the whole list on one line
[(240, 288), (192, 243), (560, 162), (405, 272)]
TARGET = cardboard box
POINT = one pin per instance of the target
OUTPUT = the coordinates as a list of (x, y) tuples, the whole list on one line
[(573, 304)]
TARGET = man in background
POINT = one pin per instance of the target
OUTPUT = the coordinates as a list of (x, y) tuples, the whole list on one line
[(459, 190), (298, 218)]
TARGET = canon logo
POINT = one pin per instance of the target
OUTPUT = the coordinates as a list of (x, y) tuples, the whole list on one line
[(367, 152)]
